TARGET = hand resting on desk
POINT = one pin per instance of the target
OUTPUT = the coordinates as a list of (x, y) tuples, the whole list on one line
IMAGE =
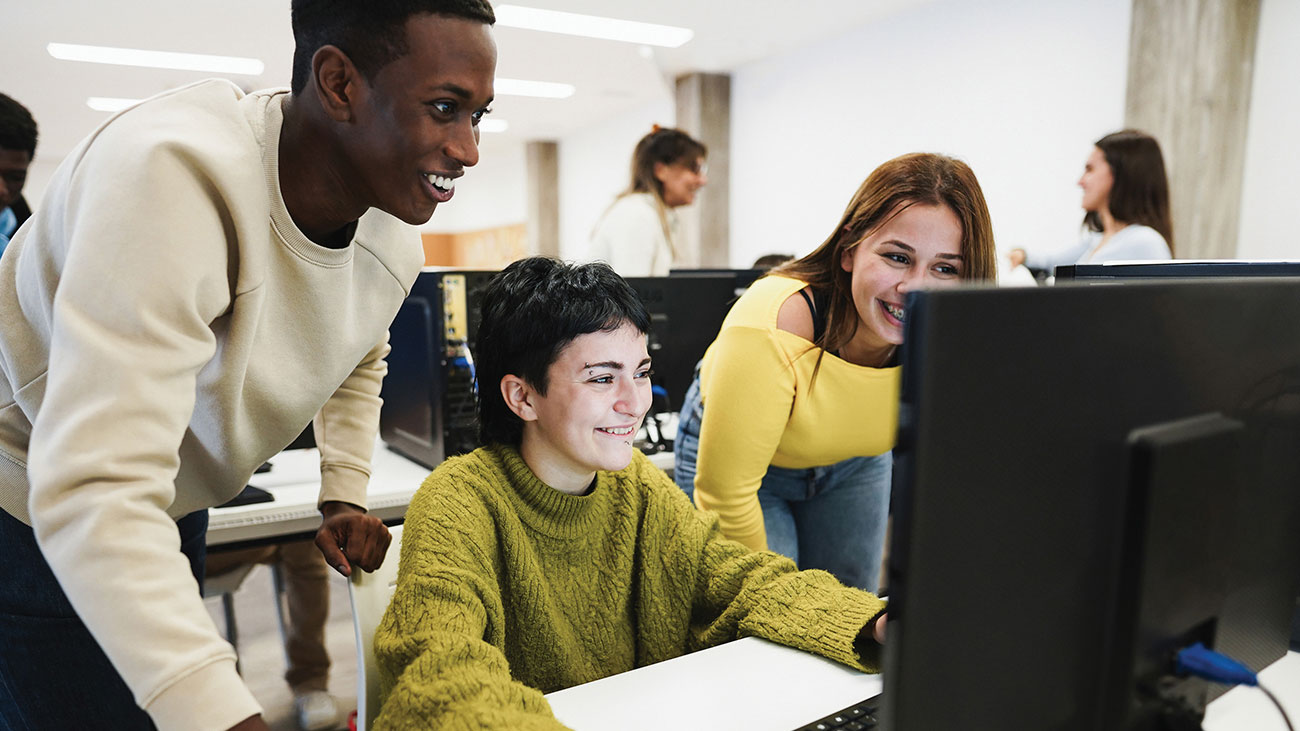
[(348, 537)]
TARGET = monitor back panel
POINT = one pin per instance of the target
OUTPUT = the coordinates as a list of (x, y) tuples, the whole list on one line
[(1011, 476)]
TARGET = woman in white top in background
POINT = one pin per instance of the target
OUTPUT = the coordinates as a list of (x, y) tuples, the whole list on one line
[(1126, 197), (639, 234)]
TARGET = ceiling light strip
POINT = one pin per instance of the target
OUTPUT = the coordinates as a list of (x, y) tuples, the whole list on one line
[(109, 104), (116, 104), (592, 26), (157, 59), (543, 89)]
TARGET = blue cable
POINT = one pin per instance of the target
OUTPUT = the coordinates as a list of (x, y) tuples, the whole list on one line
[(1203, 662)]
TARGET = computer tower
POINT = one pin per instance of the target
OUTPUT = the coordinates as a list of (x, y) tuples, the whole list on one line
[(428, 410)]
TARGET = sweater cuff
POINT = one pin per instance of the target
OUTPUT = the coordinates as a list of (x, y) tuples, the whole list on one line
[(212, 697), (343, 483)]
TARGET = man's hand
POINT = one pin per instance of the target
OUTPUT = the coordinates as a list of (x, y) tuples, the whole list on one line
[(878, 628), (348, 537)]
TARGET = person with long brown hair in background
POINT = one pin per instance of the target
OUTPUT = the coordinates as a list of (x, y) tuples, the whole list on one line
[(801, 385), (639, 235), (1125, 203)]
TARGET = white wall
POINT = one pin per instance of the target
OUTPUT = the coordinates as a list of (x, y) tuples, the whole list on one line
[(1270, 188), (595, 166), (491, 194), (1019, 89)]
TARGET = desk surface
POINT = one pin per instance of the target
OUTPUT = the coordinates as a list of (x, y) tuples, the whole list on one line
[(766, 686), (771, 687), (294, 480)]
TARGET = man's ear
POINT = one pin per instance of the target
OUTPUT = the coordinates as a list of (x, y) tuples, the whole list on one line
[(336, 81), (518, 396)]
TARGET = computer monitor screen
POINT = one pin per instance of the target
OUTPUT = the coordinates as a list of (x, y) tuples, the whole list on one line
[(1085, 478), (686, 312), (1176, 269)]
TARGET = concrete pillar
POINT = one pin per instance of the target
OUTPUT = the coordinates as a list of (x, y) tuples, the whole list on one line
[(1189, 81), (543, 171), (704, 112)]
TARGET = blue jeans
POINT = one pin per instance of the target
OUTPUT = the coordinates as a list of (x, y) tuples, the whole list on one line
[(831, 517), (53, 674)]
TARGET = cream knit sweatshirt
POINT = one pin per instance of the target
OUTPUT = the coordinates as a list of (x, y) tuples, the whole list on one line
[(164, 329)]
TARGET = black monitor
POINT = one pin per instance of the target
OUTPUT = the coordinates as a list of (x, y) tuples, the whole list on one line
[(1086, 479), (686, 311), (1177, 269)]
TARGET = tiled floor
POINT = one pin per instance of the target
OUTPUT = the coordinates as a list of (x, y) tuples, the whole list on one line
[(262, 654)]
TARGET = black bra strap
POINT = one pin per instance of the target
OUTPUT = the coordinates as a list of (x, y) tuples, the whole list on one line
[(819, 320)]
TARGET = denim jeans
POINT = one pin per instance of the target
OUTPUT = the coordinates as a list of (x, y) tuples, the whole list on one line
[(831, 517), (53, 674)]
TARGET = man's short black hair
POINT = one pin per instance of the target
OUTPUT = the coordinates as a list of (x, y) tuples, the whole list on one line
[(17, 128), (371, 32), (530, 311)]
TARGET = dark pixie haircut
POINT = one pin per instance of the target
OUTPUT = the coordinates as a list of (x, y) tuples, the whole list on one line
[(530, 312), (371, 32), (17, 128), (1139, 191)]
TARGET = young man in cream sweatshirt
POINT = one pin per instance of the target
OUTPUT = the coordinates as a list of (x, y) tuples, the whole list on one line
[(209, 271)]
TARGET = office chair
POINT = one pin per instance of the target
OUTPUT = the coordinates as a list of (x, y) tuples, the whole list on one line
[(225, 585), (370, 594)]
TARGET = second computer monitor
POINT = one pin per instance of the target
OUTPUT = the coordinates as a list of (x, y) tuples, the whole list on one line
[(1086, 479)]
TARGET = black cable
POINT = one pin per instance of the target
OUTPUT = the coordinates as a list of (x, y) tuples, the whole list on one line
[(1285, 718)]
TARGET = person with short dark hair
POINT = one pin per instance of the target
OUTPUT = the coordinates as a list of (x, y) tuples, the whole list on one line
[(558, 554), (17, 147), (771, 261), (1125, 204), (208, 272), (639, 234)]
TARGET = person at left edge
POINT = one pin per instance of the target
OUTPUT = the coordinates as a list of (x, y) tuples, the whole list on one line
[(17, 146), (207, 272)]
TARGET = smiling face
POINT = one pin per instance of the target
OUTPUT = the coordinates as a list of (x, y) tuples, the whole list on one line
[(916, 249), (1096, 182), (415, 123), (597, 392), (681, 181)]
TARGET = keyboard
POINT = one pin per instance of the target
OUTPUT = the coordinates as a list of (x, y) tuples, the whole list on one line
[(860, 715)]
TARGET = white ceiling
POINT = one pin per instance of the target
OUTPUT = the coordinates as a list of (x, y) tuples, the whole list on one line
[(611, 77)]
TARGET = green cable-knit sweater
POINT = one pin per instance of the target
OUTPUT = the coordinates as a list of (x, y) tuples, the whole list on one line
[(508, 589)]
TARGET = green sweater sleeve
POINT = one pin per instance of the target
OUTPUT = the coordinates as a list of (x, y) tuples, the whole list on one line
[(742, 593), (438, 668)]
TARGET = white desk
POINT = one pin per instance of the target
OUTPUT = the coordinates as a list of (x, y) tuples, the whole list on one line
[(766, 686), (294, 480), (774, 688)]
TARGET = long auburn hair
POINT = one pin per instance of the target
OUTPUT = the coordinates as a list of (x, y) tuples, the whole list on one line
[(920, 178), (1140, 191)]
